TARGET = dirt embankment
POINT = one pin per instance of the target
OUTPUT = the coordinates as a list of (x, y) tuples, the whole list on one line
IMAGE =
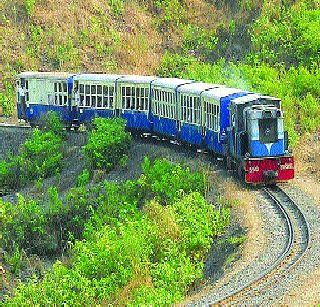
[(307, 156)]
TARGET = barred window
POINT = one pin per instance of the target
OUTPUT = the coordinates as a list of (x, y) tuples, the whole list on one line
[(60, 93), (212, 115), (96, 96), (164, 103), (27, 97), (135, 98), (108, 96), (190, 109)]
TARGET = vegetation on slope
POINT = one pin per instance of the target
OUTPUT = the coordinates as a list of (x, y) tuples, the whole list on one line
[(39, 157), (134, 250)]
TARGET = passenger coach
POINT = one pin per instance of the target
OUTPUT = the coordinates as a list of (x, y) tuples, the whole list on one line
[(40, 92), (94, 95), (133, 101)]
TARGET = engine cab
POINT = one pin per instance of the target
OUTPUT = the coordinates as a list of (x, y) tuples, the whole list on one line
[(257, 141)]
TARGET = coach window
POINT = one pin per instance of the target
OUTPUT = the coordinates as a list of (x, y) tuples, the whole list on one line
[(158, 103), (27, 91), (111, 96), (61, 93), (217, 118), (99, 96), (123, 96), (81, 92), (183, 103), (162, 105), (197, 110), (108, 96), (87, 95)]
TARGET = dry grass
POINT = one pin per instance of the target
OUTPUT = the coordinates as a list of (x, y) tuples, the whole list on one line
[(307, 156), (307, 166)]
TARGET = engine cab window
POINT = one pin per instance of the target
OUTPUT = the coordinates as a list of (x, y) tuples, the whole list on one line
[(268, 130)]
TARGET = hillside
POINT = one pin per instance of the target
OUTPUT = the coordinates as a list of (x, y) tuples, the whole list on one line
[(268, 46)]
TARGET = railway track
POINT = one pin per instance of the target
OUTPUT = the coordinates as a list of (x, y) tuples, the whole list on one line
[(15, 126), (297, 244)]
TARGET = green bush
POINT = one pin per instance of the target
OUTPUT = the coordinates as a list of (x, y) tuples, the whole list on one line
[(23, 226), (152, 258), (129, 256), (288, 34), (108, 143), (39, 157), (50, 122), (41, 154), (165, 180)]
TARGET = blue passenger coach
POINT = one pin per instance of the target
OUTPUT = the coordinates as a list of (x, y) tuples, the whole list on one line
[(133, 101), (94, 95), (190, 111), (40, 92), (216, 104), (164, 105)]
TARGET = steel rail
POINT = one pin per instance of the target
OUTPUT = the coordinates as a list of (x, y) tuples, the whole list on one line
[(285, 255)]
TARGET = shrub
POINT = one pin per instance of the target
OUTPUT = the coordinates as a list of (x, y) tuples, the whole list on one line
[(108, 143), (50, 122), (129, 256), (41, 155), (165, 180), (288, 34), (23, 226)]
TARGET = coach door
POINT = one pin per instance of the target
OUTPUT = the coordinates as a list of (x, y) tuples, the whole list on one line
[(23, 96)]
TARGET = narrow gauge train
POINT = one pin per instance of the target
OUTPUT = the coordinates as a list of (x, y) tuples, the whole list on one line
[(245, 128)]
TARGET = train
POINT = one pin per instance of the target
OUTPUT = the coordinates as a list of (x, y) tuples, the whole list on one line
[(245, 128)]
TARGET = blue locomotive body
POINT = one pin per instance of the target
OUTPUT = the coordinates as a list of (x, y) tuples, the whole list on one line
[(244, 128)]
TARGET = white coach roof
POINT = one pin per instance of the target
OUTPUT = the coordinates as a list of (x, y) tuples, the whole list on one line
[(197, 87), (45, 75), (97, 77), (218, 93), (137, 79), (170, 83)]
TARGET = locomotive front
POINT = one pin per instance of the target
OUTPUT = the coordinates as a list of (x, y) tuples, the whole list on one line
[(268, 158), (261, 144)]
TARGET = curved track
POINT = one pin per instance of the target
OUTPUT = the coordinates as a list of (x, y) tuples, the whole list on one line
[(297, 244)]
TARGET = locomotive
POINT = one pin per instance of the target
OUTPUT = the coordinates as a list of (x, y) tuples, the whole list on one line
[(245, 128)]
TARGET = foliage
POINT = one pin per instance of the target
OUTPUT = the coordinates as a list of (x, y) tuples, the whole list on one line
[(50, 122), (83, 179), (137, 258), (131, 256), (23, 226), (117, 6), (288, 34), (39, 157), (41, 154), (30, 6), (108, 143), (199, 40), (166, 181)]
